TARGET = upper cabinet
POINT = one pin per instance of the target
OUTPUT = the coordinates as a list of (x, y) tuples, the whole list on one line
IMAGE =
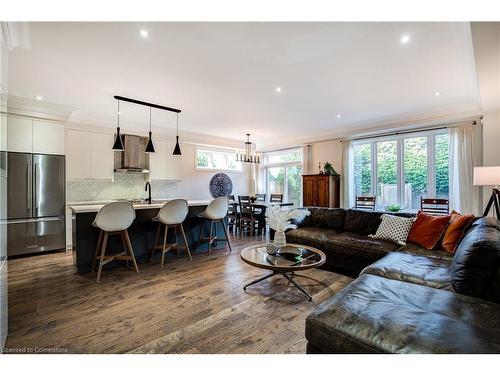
[(162, 164), (90, 155), (20, 134), (48, 137), (34, 136)]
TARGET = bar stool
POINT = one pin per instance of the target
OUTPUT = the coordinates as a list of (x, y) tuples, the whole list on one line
[(114, 219), (171, 215), (215, 212)]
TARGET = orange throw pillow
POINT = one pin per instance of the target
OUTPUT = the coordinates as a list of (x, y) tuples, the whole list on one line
[(427, 230), (456, 230)]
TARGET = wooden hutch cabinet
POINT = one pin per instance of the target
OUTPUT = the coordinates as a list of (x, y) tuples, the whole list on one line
[(321, 190)]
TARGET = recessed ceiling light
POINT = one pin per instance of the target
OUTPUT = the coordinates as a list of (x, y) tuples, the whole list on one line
[(38, 97), (437, 93), (405, 39), (278, 89), (339, 116), (144, 33)]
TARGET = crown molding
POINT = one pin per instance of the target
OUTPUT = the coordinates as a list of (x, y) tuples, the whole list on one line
[(16, 34), (21, 106)]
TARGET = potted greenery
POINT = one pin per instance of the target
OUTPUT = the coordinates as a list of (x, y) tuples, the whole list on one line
[(329, 170), (392, 208)]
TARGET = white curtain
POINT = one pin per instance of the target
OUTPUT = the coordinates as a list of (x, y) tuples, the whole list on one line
[(347, 190), (464, 155), (307, 159)]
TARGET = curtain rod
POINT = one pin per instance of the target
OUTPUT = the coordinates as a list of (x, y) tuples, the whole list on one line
[(419, 130)]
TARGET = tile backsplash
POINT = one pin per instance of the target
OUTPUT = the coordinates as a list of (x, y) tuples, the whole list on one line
[(125, 186)]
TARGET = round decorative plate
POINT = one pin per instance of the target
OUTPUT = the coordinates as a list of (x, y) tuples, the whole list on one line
[(220, 185)]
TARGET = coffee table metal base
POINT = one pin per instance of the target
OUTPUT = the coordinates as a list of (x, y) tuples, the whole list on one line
[(286, 275)]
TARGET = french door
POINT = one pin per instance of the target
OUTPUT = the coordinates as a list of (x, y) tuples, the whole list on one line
[(286, 180)]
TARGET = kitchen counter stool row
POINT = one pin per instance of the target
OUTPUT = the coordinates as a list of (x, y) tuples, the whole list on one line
[(115, 219)]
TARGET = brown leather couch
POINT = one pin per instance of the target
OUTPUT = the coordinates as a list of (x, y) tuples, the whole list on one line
[(406, 299)]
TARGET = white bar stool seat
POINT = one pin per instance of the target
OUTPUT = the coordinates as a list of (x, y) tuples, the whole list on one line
[(114, 219), (215, 213), (171, 215)]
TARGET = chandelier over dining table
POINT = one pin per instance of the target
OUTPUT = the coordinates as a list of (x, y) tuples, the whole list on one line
[(248, 155)]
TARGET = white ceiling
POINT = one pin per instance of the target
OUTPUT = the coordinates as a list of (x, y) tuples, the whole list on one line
[(224, 75)]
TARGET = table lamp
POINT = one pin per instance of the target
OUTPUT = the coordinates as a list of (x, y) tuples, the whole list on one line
[(489, 176)]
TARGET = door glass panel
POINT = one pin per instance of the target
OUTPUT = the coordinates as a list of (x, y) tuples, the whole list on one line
[(276, 178), (387, 173), (294, 185), (363, 169), (442, 165), (415, 171)]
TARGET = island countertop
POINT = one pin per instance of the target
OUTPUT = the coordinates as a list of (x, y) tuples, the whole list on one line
[(93, 207)]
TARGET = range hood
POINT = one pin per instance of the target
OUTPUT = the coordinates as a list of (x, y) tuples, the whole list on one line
[(133, 158)]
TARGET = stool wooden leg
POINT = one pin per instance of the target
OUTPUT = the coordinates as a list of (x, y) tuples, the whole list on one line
[(185, 241), (97, 249), (176, 251), (157, 237), (131, 251), (227, 237), (101, 259), (210, 237), (164, 245), (125, 246)]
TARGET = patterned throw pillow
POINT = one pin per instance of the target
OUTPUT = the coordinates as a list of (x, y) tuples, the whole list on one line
[(394, 228)]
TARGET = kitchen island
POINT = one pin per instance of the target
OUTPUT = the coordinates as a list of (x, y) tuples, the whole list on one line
[(142, 231)]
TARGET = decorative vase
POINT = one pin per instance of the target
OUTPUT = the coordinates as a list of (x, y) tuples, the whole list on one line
[(279, 238)]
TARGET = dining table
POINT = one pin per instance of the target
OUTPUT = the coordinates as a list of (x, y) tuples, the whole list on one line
[(260, 208)]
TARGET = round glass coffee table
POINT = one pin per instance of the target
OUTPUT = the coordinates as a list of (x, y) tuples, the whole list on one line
[(286, 262)]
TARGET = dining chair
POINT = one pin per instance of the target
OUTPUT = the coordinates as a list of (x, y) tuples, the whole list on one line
[(171, 216), (114, 219), (232, 214), (247, 217), (435, 206), (261, 197), (276, 198), (365, 203)]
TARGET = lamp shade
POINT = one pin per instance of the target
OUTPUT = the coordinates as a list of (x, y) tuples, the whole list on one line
[(486, 176)]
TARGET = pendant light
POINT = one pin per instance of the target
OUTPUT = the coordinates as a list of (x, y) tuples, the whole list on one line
[(177, 149), (248, 156), (118, 144), (149, 147)]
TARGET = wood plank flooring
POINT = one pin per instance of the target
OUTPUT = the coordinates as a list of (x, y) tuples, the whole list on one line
[(188, 307)]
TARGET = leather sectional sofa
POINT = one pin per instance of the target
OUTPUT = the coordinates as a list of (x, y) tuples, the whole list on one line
[(406, 299)]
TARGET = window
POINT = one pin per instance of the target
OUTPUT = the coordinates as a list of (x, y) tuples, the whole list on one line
[(283, 174), (210, 159), (403, 169)]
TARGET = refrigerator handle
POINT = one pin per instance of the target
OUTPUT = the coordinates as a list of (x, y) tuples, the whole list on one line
[(27, 180), (35, 188)]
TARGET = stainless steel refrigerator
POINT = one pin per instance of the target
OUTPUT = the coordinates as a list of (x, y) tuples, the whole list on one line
[(35, 203)]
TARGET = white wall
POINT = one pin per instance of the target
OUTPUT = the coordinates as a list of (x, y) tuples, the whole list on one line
[(486, 41), (194, 183), (330, 151)]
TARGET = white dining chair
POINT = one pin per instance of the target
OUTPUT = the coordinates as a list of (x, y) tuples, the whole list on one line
[(215, 212), (171, 216), (114, 219)]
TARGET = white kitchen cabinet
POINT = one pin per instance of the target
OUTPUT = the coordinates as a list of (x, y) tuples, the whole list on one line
[(48, 137), (34, 136), (90, 155), (19, 134), (158, 161), (102, 156), (162, 164), (174, 171), (79, 154)]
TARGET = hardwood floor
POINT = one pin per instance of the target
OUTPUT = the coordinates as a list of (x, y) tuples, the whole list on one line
[(188, 307)]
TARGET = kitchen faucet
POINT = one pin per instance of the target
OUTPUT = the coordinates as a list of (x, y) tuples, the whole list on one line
[(148, 185)]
